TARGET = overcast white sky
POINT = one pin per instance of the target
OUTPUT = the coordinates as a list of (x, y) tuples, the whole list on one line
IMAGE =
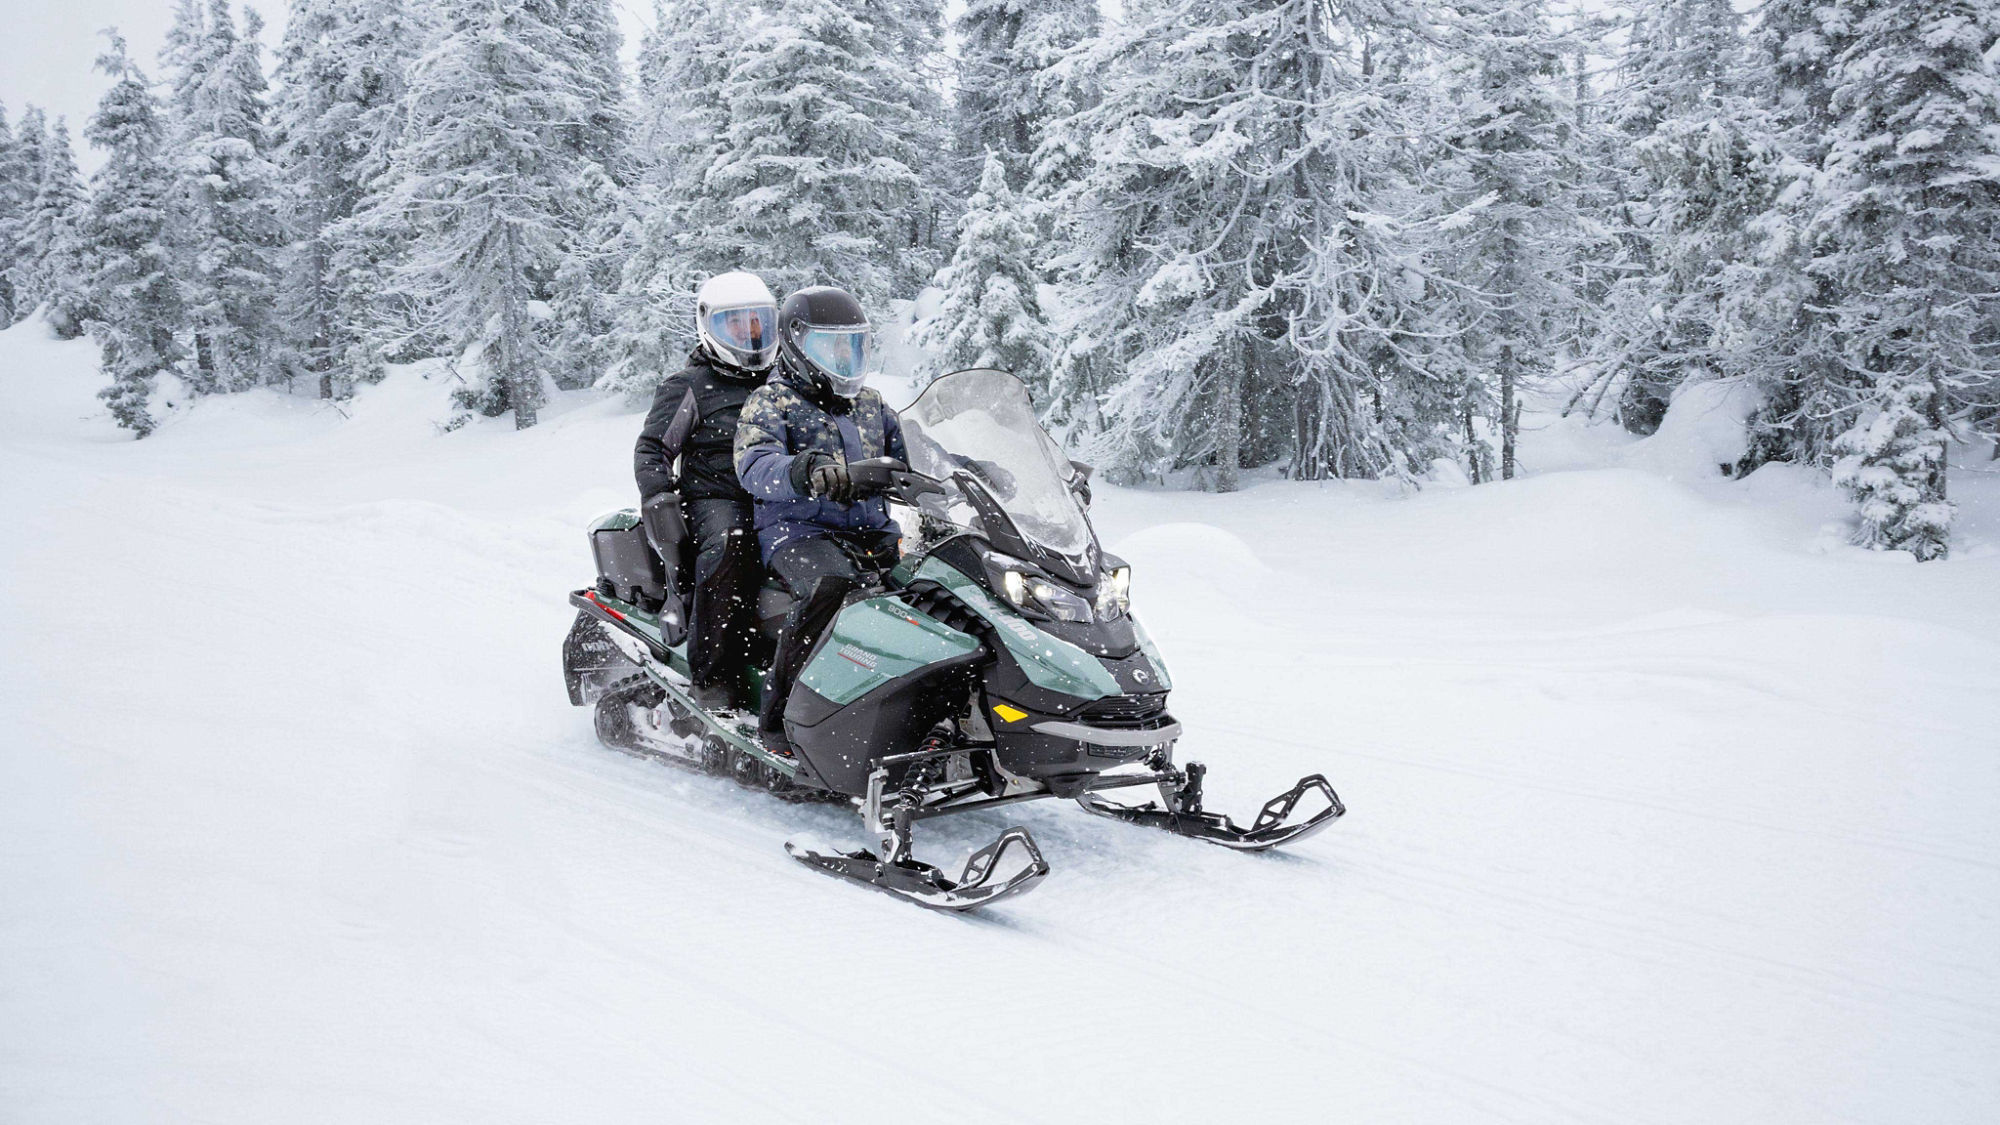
[(48, 49)]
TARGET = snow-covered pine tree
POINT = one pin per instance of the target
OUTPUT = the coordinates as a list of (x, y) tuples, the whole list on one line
[(140, 316), (1908, 210), (1704, 170), (684, 65), (585, 288), (1682, 55), (12, 177), (20, 180), (1799, 40), (602, 132), (57, 229), (1005, 48), (912, 89), (1892, 464), (317, 184), (342, 70), (652, 318), (1513, 186), (1234, 291), (491, 191), (226, 190), (1065, 83), (183, 62), (1062, 155), (683, 70), (991, 315), (814, 180), (994, 103), (1012, 97), (1791, 342)]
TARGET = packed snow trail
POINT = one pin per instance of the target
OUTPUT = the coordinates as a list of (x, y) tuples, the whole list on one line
[(1658, 814)]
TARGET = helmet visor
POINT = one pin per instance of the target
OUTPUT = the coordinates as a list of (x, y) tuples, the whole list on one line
[(840, 353), (747, 331)]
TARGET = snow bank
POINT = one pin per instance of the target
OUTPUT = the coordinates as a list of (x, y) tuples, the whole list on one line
[(48, 387), (1177, 560), (1704, 434)]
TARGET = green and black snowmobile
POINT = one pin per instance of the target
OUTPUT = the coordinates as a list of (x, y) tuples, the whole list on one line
[(997, 662)]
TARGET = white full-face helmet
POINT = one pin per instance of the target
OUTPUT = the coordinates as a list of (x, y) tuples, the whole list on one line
[(737, 319)]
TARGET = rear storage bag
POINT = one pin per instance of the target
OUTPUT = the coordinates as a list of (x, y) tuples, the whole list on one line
[(627, 567)]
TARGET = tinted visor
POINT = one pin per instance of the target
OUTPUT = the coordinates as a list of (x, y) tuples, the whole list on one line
[(841, 353), (748, 331)]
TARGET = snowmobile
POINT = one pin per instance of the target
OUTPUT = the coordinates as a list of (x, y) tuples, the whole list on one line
[(997, 662)]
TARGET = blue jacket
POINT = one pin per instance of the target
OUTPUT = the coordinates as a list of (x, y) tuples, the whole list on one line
[(779, 422)]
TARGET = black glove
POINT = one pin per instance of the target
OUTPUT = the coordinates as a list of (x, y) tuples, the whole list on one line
[(822, 476), (830, 481)]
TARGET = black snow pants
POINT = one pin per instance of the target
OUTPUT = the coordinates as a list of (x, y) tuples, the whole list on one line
[(727, 575), (820, 572)]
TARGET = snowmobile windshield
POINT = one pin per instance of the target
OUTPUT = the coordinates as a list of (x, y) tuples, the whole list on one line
[(841, 354), (749, 333), (981, 423)]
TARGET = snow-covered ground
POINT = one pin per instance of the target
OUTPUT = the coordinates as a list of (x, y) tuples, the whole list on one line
[(1665, 807)]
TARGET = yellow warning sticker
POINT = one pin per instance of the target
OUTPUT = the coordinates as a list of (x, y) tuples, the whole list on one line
[(1011, 714)]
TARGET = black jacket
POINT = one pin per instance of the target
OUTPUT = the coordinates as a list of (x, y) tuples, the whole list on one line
[(694, 419)]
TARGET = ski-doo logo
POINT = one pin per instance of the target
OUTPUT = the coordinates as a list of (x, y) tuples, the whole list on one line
[(860, 656)]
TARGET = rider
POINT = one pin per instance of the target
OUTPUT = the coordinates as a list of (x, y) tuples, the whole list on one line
[(798, 434), (693, 419)]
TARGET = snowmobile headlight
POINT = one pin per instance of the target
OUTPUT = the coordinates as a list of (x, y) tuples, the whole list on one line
[(1058, 602), (1014, 584), (1114, 593), (1035, 594)]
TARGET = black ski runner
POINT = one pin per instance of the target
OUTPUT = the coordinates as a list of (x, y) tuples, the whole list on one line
[(925, 885), (1183, 815)]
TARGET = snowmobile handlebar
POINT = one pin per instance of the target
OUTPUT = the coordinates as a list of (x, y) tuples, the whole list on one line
[(890, 477)]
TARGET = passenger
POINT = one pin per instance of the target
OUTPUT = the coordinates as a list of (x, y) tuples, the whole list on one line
[(685, 466), (798, 434)]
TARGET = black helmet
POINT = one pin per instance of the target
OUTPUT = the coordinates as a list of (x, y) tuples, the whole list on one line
[(823, 335)]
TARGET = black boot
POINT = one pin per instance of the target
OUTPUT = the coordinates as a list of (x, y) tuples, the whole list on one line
[(809, 618), (771, 724), (714, 697)]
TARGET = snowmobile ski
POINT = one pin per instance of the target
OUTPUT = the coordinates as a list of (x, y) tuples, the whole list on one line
[(891, 869), (1183, 815), (976, 886)]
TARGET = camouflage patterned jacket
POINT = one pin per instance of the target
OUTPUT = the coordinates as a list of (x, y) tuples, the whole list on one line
[(778, 423)]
